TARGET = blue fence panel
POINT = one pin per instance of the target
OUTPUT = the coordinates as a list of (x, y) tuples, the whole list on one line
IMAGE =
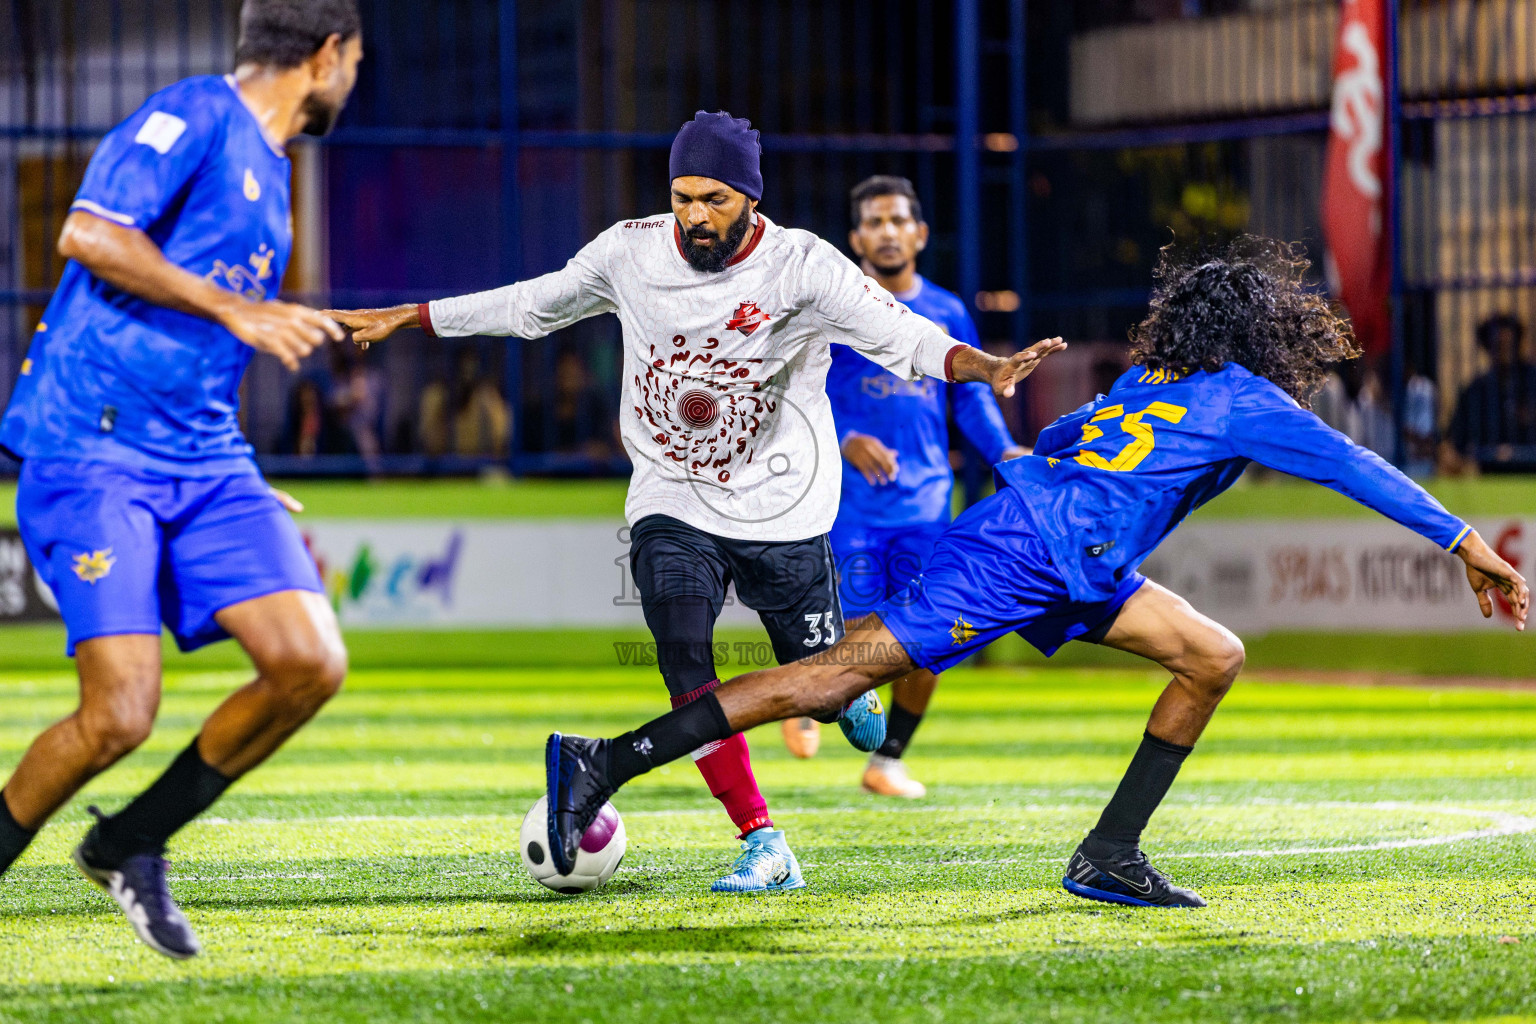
[(427, 188)]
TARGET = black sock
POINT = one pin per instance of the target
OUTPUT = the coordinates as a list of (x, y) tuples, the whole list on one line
[(13, 838), (673, 735), (188, 788), (900, 724), (1145, 784)]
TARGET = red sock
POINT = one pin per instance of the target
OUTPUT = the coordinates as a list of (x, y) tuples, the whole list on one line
[(727, 768)]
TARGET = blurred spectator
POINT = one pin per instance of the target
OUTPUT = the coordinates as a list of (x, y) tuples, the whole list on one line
[(357, 399), (312, 428), (575, 419), (1494, 424), (467, 417), (1354, 402), (1419, 426)]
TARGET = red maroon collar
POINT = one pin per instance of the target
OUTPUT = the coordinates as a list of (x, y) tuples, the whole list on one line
[(746, 250)]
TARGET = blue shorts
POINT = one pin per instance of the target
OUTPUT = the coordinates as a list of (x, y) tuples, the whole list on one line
[(126, 549), (875, 564), (991, 574)]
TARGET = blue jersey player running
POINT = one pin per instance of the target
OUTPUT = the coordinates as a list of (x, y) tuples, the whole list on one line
[(1233, 346), (897, 481), (139, 502)]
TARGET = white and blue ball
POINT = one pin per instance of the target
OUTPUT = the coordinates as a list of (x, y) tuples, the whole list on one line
[(601, 850)]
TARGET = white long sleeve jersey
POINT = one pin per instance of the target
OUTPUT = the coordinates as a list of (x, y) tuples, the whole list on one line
[(724, 411)]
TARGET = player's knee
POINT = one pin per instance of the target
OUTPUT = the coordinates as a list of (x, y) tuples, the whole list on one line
[(307, 673), (112, 733), (1223, 662)]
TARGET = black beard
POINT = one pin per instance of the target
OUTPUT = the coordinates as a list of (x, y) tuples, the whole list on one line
[(319, 116), (713, 259)]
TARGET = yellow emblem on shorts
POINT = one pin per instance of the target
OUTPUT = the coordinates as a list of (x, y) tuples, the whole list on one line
[(94, 566), (252, 186), (961, 631)]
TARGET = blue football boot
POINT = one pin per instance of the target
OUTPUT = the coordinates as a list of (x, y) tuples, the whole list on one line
[(863, 722), (766, 864), (1124, 877), (577, 789)]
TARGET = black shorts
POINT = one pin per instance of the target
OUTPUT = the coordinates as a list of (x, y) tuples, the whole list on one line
[(682, 574)]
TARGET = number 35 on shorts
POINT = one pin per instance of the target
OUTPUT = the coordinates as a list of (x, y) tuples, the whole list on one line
[(822, 628)]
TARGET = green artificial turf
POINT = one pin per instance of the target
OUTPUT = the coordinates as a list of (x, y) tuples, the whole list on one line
[(424, 499), (1279, 497), (1504, 654), (367, 873)]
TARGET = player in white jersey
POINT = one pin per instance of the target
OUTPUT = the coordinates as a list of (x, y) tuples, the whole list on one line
[(727, 321)]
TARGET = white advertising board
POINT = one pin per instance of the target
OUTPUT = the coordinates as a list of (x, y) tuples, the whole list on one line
[(1331, 575), (482, 573), (1252, 575)]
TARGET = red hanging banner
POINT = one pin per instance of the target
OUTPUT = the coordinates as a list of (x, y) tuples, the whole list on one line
[(1357, 175)]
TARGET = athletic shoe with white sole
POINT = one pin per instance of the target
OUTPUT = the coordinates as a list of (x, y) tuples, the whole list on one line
[(802, 736), (887, 776), (863, 722), (766, 864), (1124, 877), (138, 885)]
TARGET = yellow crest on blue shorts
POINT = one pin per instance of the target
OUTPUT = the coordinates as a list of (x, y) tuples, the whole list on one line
[(961, 631), (94, 566)]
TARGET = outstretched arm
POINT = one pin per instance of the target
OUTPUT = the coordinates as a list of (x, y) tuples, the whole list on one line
[(855, 311), (527, 309), (1270, 428)]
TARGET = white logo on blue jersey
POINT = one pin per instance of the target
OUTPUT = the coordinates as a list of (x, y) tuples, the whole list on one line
[(160, 131)]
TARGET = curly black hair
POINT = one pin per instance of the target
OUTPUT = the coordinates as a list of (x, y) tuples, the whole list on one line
[(1244, 302)]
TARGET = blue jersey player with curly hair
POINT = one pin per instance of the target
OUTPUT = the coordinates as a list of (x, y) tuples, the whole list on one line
[(1234, 346), (139, 502)]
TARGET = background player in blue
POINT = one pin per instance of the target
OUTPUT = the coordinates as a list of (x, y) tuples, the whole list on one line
[(138, 500), (1234, 344), (897, 481)]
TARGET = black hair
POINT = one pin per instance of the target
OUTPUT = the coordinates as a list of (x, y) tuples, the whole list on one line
[(1488, 330), (1245, 302), (882, 185), (286, 33)]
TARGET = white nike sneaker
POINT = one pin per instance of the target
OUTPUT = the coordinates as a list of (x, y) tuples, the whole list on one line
[(887, 776)]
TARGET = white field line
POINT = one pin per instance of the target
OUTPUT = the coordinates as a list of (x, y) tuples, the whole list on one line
[(1501, 824)]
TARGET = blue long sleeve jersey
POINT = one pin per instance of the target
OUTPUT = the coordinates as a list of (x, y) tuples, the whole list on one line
[(911, 418), (1108, 482)]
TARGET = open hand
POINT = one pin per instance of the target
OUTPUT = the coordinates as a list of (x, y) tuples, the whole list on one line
[(870, 457), (1487, 572), (1021, 364), (371, 325), (283, 329)]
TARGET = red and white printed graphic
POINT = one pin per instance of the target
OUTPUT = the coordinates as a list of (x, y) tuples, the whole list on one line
[(748, 318), (1356, 178), (706, 411)]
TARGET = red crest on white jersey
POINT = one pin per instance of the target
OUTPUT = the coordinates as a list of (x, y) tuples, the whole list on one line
[(748, 318)]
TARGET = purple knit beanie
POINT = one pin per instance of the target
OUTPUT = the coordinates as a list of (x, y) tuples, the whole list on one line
[(717, 145)]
